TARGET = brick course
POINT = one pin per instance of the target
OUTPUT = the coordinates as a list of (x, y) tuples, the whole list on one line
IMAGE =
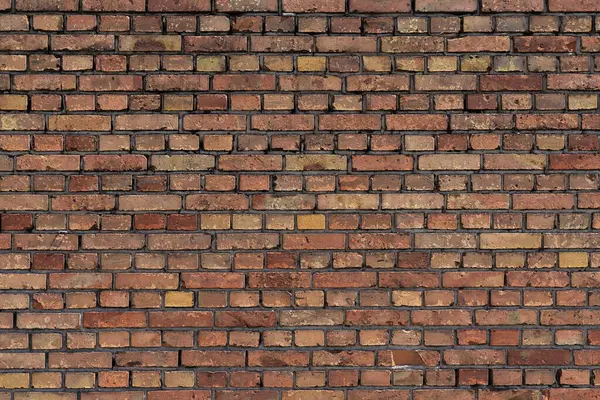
[(299, 199)]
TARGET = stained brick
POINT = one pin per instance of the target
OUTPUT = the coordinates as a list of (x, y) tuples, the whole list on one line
[(299, 199)]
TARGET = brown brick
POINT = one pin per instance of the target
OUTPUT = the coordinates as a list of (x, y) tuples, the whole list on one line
[(445, 5)]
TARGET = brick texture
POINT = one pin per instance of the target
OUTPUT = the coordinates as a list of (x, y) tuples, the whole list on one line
[(299, 199)]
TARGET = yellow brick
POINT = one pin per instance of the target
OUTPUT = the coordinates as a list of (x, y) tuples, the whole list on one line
[(278, 63), (280, 222), (377, 63), (46, 341), (251, 222), (14, 381), (408, 298), (410, 63), (474, 63), (214, 221), (145, 379), (179, 379), (311, 63), (412, 25), (583, 101), (419, 143), (80, 380), (311, 221), (179, 299), (442, 64), (13, 102), (244, 63), (572, 260), (210, 63), (46, 380), (507, 63), (510, 241), (178, 103)]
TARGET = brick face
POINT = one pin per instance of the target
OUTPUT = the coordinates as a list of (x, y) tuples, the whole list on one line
[(299, 199)]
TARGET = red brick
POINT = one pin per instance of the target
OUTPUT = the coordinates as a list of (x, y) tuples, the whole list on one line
[(182, 6), (246, 5), (225, 185), (412, 122), (546, 44), (214, 122), (573, 6), (512, 5), (445, 5), (82, 42), (214, 43), (114, 163), (112, 5), (496, 44), (382, 6), (327, 6)]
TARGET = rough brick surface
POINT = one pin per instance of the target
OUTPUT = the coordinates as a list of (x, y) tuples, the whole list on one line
[(299, 199)]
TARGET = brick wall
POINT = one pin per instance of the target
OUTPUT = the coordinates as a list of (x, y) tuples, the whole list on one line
[(299, 199)]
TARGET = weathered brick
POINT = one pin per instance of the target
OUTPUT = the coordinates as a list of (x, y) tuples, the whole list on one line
[(283, 202), (214, 122), (37, 5), (82, 42), (445, 5), (114, 163), (246, 5), (146, 123), (214, 199), (21, 122), (116, 241), (514, 161), (12, 202), (191, 162), (545, 44), (412, 201), (445, 82), (20, 360), (250, 163), (181, 6), (169, 83), (313, 241), (283, 122), (214, 43), (369, 83), (349, 122), (494, 44), (382, 6), (24, 42), (83, 202), (573, 6), (341, 44), (310, 83), (150, 42), (328, 6), (79, 123), (48, 321), (112, 5), (511, 241), (110, 83), (512, 5), (47, 163), (450, 162), (281, 44), (179, 241), (255, 241), (216, 202), (412, 44)]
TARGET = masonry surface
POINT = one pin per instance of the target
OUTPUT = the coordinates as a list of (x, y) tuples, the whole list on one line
[(299, 199)]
